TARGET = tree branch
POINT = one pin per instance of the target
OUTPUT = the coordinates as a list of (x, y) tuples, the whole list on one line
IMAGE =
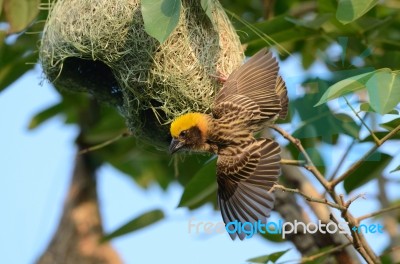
[(105, 143), (385, 210), (77, 239), (309, 164), (288, 208), (359, 242), (355, 166), (389, 220), (299, 163), (308, 198)]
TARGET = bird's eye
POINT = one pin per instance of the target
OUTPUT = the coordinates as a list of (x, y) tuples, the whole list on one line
[(183, 133)]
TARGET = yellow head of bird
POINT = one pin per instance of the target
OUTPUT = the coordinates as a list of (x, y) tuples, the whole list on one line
[(188, 132), (187, 121)]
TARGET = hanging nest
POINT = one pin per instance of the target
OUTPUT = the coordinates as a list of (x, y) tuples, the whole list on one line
[(100, 47)]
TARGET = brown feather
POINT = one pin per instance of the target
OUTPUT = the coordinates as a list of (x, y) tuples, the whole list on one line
[(256, 80), (244, 181), (282, 94)]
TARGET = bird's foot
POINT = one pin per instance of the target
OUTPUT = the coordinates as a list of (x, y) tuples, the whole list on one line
[(221, 78)]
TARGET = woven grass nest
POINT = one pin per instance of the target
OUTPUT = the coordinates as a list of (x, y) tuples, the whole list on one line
[(100, 47)]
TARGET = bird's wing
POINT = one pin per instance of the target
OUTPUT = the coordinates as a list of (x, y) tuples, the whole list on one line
[(245, 176), (257, 80), (281, 91)]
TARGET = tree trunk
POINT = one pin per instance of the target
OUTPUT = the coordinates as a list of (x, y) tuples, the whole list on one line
[(77, 237)]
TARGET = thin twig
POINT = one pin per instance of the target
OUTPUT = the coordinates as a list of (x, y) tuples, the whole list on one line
[(310, 165), (299, 163), (389, 135), (390, 250), (308, 198), (267, 39), (355, 166), (325, 253), (376, 139), (347, 204), (342, 159), (385, 210), (351, 200), (352, 168), (104, 144)]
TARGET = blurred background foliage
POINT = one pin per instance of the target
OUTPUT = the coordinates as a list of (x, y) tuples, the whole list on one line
[(368, 37)]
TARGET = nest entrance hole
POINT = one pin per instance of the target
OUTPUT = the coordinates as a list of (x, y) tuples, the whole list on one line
[(92, 76)]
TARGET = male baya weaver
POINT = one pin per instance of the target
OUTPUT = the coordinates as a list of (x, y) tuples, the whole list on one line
[(247, 168)]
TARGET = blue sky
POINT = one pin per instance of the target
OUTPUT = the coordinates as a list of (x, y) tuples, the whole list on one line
[(35, 171)]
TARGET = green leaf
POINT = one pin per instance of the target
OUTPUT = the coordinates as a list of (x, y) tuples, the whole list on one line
[(201, 186), (345, 86), (366, 107), (327, 125), (386, 257), (368, 170), (384, 90), (11, 71), (208, 7), (266, 258), (315, 23), (18, 56), (188, 166), (308, 134), (141, 164), (382, 86), (1, 6), (345, 124), (396, 169), (140, 222), (391, 124), (160, 17), (20, 13), (365, 24), (277, 238), (312, 152), (380, 134), (269, 32), (45, 115), (327, 6), (350, 10)]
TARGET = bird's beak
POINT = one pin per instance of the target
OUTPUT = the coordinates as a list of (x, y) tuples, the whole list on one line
[(175, 145)]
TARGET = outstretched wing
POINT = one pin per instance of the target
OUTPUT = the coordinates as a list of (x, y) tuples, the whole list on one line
[(281, 91), (245, 175), (256, 81)]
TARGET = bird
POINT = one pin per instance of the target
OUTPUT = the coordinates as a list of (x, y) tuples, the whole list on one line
[(252, 97)]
